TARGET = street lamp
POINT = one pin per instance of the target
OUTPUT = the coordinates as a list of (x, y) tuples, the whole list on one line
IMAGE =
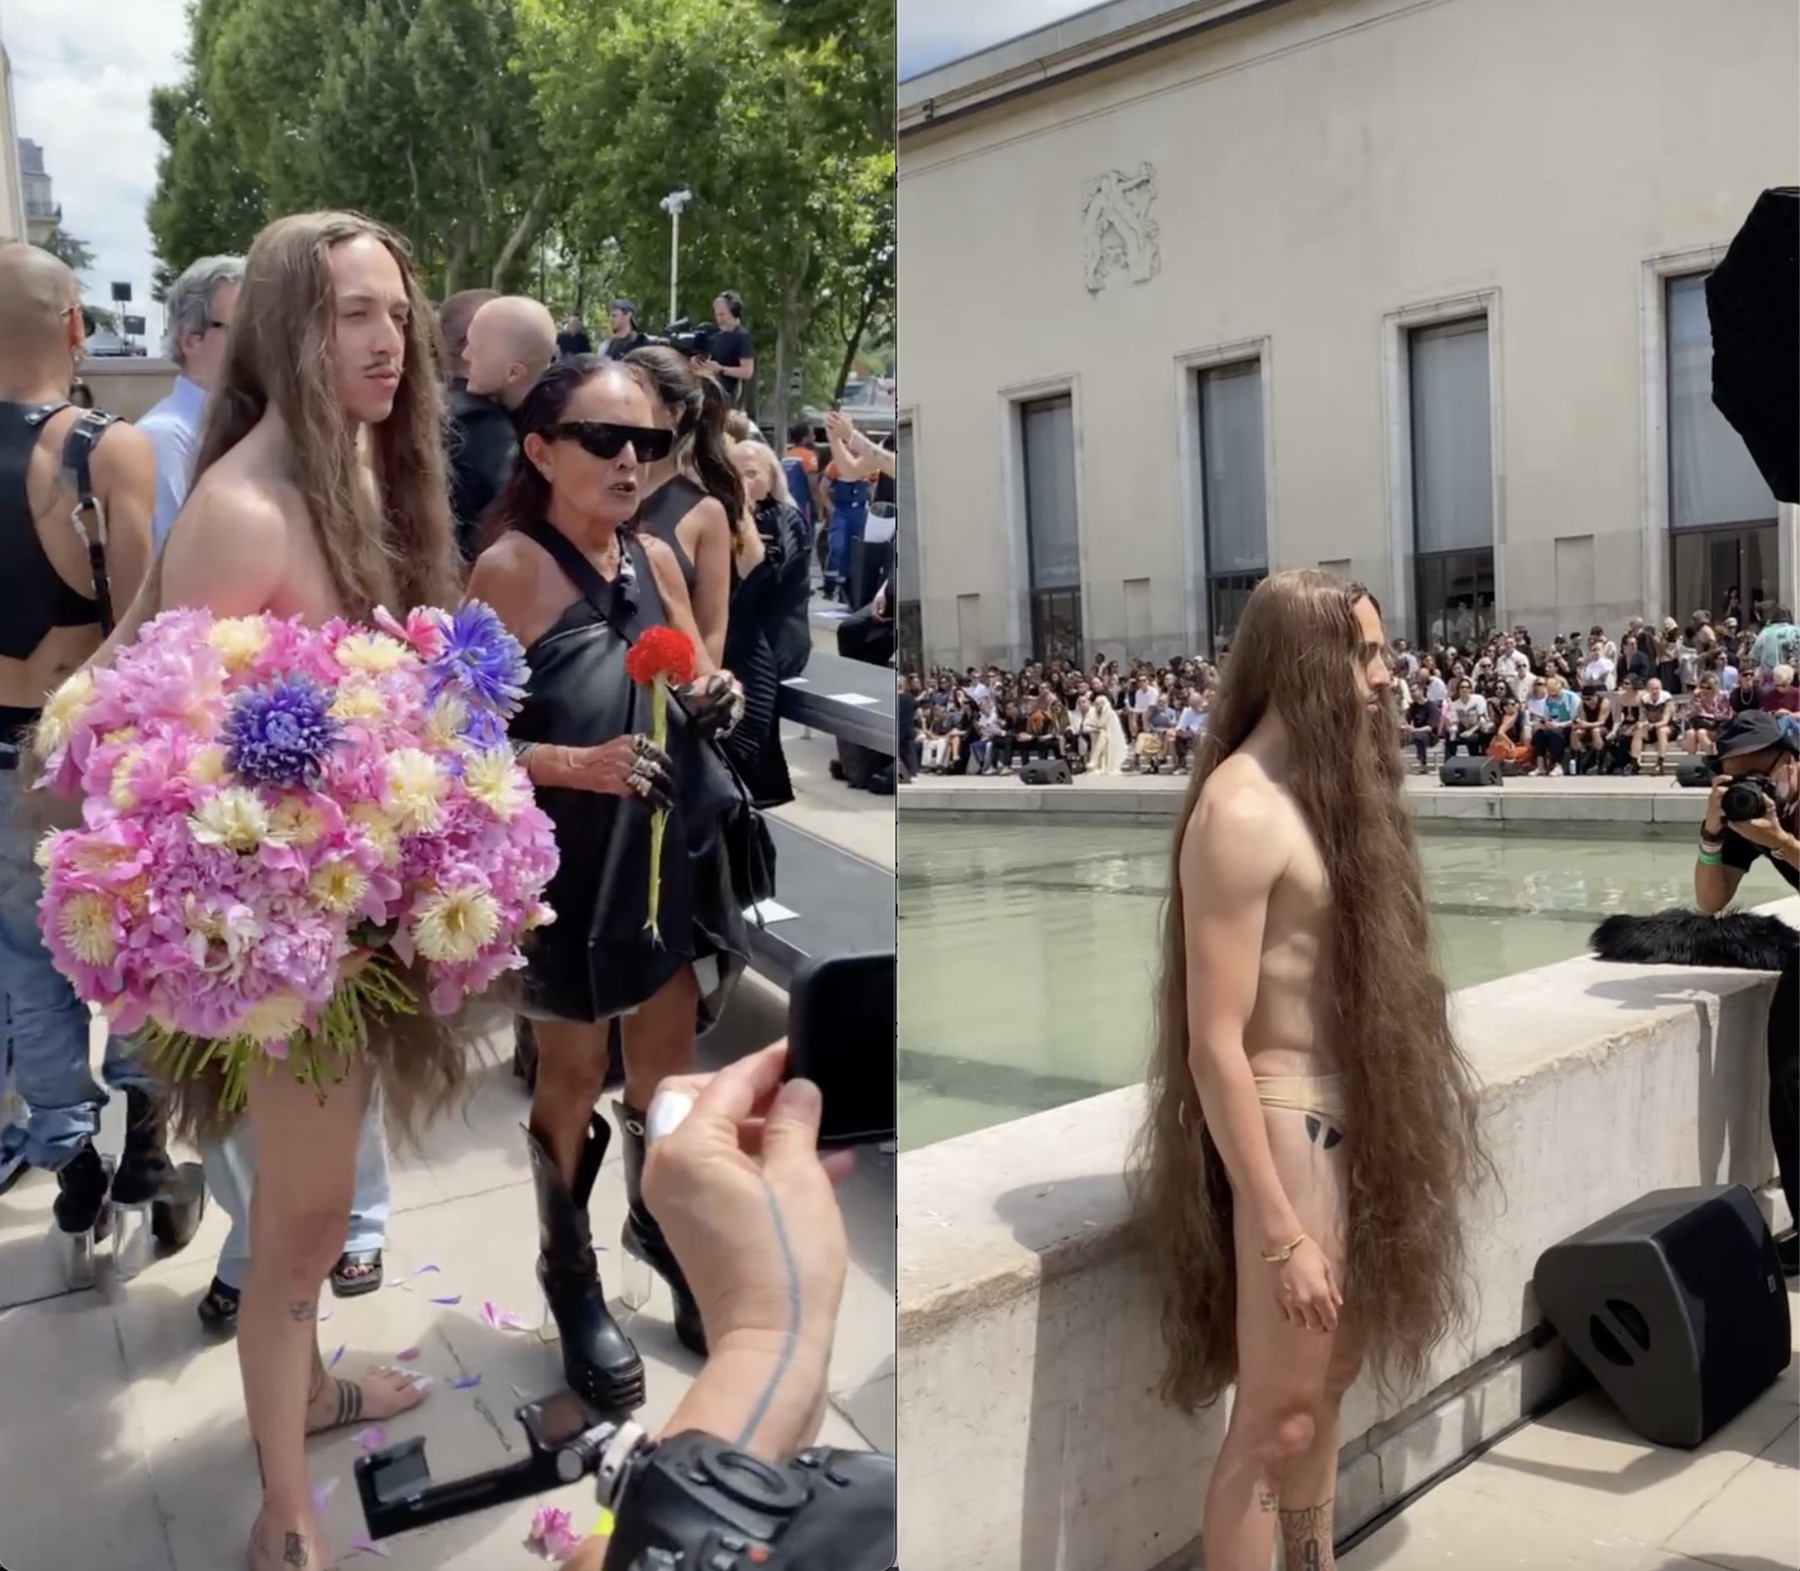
[(672, 204)]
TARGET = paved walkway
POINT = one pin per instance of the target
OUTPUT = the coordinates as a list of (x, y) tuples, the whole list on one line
[(122, 1437), (1578, 1491)]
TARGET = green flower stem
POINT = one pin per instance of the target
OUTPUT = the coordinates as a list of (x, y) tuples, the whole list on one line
[(319, 1058), (659, 737)]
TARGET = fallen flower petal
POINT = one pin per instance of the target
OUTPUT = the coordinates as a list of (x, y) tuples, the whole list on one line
[(323, 1492), (452, 1300), (501, 1319), (553, 1533), (427, 1271), (337, 1355), (467, 1383), (368, 1546), (407, 1354), (373, 1438)]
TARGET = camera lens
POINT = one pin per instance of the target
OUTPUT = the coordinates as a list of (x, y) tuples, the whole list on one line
[(1742, 803)]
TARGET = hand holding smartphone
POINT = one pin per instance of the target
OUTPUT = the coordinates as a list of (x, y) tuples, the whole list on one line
[(841, 1037)]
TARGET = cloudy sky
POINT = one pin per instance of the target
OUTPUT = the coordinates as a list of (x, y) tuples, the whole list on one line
[(82, 74), (935, 31)]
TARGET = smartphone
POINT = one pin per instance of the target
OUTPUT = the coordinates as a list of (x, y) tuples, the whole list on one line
[(841, 1036)]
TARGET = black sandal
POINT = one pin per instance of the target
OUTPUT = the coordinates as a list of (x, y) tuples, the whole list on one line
[(219, 1309), (343, 1285)]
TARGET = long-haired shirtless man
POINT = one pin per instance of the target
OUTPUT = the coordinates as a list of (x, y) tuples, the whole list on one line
[(1312, 1124), (318, 491)]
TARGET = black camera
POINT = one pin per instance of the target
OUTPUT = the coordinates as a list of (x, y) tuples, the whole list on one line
[(693, 339), (1749, 797), (691, 1503)]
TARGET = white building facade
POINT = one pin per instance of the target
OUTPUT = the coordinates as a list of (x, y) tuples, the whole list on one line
[(12, 185), (1412, 289)]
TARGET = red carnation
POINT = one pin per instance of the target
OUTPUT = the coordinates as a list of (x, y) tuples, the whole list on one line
[(663, 651)]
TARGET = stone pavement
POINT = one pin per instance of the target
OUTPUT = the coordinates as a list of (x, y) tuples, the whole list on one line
[(1577, 1491), (122, 1437)]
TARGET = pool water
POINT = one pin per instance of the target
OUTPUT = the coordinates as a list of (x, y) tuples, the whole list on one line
[(1028, 950)]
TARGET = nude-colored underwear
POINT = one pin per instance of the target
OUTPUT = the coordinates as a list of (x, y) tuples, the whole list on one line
[(1320, 1097)]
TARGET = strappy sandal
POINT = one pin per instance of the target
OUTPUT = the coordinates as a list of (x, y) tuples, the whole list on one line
[(366, 1262), (218, 1311)]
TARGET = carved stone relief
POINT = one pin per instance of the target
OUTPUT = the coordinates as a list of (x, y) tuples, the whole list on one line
[(1118, 233)]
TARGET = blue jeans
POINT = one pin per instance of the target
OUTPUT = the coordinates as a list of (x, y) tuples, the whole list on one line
[(845, 527), (231, 1170), (47, 1027)]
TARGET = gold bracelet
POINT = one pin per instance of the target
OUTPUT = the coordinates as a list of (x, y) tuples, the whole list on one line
[(1282, 1256)]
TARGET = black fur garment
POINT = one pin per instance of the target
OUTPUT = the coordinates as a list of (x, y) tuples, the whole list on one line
[(1737, 941)]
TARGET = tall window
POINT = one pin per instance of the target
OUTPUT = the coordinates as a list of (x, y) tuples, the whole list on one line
[(1053, 541), (1722, 537), (906, 554), (1453, 483), (1232, 495)]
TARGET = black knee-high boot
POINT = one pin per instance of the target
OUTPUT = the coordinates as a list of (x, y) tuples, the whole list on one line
[(599, 1361), (644, 1239), (176, 1194)]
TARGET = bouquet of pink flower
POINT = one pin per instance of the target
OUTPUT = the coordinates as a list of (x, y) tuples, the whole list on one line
[(277, 819)]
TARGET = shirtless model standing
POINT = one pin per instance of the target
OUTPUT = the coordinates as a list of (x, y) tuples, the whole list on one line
[(333, 353), (1312, 1125)]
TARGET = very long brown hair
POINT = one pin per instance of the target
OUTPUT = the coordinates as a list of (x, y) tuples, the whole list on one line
[(1411, 1140), (393, 548)]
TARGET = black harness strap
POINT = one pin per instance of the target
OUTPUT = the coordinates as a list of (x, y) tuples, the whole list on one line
[(89, 517)]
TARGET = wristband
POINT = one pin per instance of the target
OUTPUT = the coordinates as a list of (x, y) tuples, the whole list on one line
[(1711, 859)]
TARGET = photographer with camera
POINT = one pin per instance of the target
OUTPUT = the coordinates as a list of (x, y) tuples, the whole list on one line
[(731, 354), (1753, 813)]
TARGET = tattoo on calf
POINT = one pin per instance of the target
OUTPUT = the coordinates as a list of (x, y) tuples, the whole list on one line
[(294, 1553), (302, 1311), (1306, 1539), (1268, 1500)]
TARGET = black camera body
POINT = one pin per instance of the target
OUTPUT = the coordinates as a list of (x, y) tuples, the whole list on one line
[(1748, 797), (693, 339), (692, 1503)]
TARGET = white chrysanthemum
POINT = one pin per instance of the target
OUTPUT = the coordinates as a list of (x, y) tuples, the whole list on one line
[(339, 887), (540, 915), (455, 924), (238, 640), (357, 701), (378, 829), (276, 1019), (295, 822), (494, 781), (61, 710), (372, 652), (40, 853), (85, 922), (415, 785), (235, 819), (445, 721)]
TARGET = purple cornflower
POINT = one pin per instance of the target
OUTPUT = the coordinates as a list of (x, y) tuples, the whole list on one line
[(481, 660), (279, 735), (485, 730)]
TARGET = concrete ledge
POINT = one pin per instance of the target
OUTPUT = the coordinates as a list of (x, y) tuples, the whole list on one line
[(1028, 1346), (1534, 806)]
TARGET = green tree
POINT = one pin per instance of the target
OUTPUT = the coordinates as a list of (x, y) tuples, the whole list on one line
[(710, 96), (408, 110), (77, 254)]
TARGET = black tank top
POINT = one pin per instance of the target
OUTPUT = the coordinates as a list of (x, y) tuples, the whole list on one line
[(663, 509), (33, 597)]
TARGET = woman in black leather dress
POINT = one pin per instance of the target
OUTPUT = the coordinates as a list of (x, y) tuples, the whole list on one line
[(576, 588), (693, 496)]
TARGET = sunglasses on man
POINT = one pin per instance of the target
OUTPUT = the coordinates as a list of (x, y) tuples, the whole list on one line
[(605, 440)]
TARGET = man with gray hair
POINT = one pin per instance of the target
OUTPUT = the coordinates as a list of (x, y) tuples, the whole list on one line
[(199, 307)]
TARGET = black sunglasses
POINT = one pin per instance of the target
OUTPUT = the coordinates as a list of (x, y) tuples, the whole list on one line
[(605, 440)]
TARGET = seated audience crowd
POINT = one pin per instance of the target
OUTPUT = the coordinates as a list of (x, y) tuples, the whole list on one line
[(1579, 705)]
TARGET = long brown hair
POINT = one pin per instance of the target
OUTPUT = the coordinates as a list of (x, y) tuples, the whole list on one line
[(1412, 1139), (395, 548)]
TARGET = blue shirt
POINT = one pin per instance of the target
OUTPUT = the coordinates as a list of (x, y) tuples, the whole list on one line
[(173, 427)]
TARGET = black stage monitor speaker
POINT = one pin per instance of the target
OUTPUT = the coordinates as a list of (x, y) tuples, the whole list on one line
[(1045, 771), (1471, 772), (1676, 1305), (1695, 772)]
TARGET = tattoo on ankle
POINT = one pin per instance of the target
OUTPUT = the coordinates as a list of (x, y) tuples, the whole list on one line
[(349, 1402), (1306, 1539), (294, 1553), (302, 1310), (754, 1422), (1268, 1500)]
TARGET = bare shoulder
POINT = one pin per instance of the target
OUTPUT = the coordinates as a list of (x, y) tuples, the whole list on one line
[(663, 563), (506, 576), (240, 510), (1238, 839), (124, 451)]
